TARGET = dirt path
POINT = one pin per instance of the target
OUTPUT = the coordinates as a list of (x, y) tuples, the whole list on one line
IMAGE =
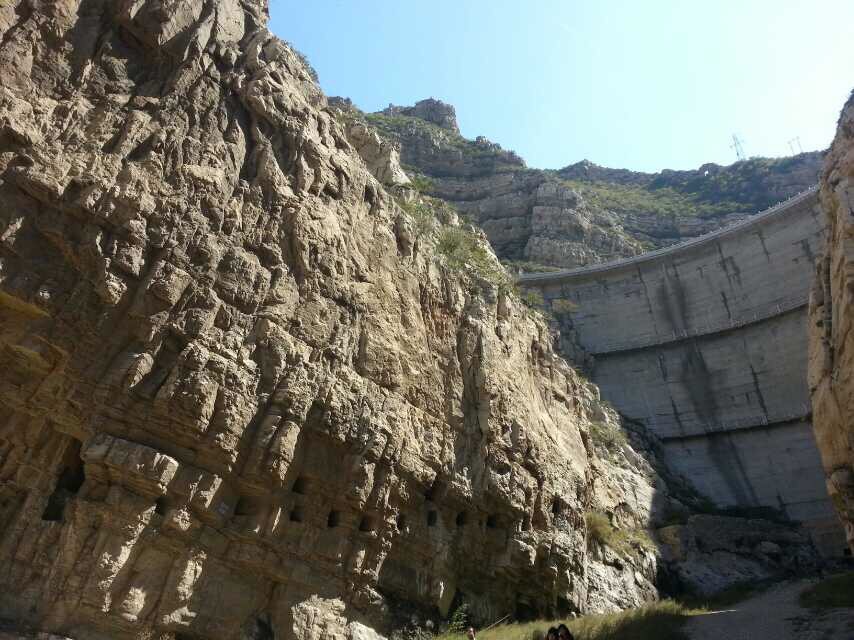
[(774, 615)]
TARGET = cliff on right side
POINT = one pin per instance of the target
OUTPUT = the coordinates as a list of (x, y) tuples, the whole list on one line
[(831, 325)]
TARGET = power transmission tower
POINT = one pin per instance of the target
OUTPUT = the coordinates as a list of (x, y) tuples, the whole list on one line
[(738, 146), (796, 141)]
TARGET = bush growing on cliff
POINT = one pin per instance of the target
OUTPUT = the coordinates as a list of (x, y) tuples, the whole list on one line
[(462, 249), (533, 299), (608, 436), (624, 541), (459, 621), (465, 252), (423, 218), (563, 307), (420, 183), (308, 66)]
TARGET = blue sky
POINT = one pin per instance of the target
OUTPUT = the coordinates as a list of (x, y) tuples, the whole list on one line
[(640, 84)]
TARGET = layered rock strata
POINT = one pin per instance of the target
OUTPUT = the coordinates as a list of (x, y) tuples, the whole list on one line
[(241, 396), (831, 315), (527, 214)]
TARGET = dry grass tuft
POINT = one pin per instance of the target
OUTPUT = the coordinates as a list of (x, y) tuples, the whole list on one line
[(656, 621)]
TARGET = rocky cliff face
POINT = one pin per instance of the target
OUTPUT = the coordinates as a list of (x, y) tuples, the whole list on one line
[(528, 215), (583, 213), (243, 392), (831, 316)]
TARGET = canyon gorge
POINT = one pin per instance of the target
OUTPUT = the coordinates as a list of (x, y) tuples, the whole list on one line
[(270, 367)]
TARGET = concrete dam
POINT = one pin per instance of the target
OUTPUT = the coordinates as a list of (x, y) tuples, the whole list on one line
[(705, 343)]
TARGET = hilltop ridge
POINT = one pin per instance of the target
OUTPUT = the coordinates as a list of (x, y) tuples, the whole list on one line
[(582, 213)]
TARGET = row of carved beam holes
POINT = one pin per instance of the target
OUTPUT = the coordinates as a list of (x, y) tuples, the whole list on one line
[(71, 479), (367, 523)]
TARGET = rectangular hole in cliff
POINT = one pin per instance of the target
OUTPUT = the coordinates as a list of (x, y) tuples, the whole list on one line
[(366, 524), (299, 485), (333, 520), (434, 491), (432, 518), (70, 479), (492, 521), (557, 507), (296, 514), (263, 630), (462, 519), (161, 505), (401, 522)]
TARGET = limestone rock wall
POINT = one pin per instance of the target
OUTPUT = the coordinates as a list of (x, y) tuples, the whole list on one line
[(830, 321), (526, 215), (239, 396)]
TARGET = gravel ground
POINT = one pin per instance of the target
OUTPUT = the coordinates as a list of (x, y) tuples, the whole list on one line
[(774, 615)]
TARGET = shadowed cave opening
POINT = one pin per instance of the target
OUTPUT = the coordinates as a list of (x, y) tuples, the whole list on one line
[(432, 517), (161, 506), (435, 490), (263, 630), (333, 520), (525, 611), (70, 479), (366, 524), (462, 519), (299, 485)]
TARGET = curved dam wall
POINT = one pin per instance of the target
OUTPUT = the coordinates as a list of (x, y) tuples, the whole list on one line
[(706, 344)]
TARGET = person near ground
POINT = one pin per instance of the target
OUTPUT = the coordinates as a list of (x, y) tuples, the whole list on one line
[(471, 634), (563, 633), (551, 634)]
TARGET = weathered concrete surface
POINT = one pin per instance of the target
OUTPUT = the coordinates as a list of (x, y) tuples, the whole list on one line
[(706, 344)]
